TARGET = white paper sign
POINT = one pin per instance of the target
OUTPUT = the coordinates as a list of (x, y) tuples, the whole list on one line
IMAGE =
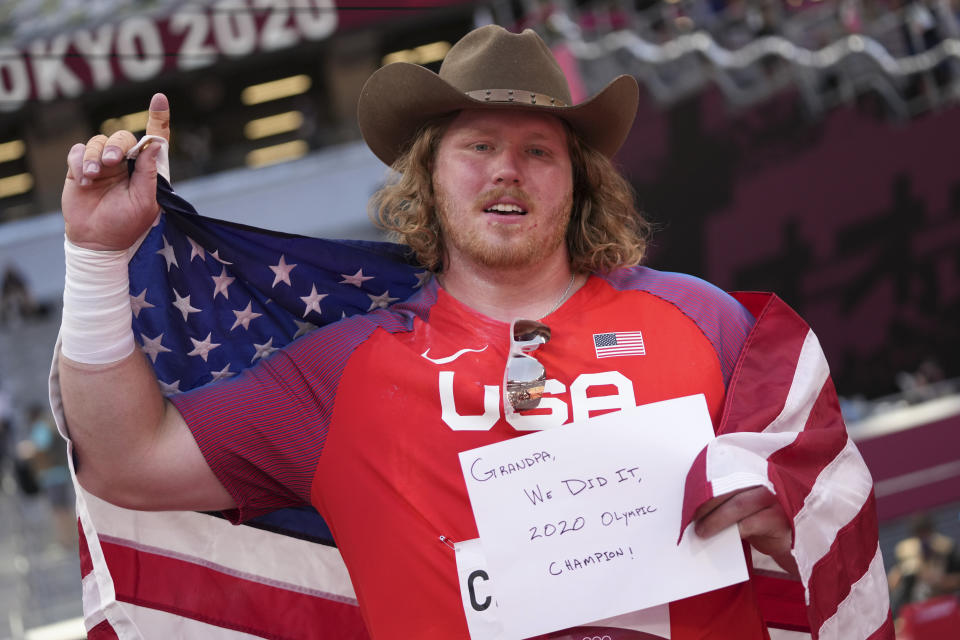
[(580, 523)]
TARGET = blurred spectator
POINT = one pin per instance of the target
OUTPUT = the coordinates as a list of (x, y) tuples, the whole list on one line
[(921, 385), (23, 470), (927, 566), (16, 302), (855, 408), (49, 463), (922, 25), (850, 15), (923, 32), (6, 428)]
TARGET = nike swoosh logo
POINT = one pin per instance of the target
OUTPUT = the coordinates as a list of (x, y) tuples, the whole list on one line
[(450, 359)]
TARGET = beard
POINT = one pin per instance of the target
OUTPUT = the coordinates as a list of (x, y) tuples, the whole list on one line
[(512, 246)]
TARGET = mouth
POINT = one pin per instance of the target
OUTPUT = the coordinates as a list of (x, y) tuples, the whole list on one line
[(506, 209)]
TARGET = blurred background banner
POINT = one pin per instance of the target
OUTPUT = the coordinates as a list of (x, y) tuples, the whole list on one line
[(790, 145)]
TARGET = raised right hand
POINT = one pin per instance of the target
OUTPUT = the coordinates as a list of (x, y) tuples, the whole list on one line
[(103, 207)]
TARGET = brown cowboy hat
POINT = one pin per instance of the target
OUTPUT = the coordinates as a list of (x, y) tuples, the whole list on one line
[(489, 68)]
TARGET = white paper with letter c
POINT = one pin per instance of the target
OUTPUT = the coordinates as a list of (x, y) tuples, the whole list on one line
[(580, 523)]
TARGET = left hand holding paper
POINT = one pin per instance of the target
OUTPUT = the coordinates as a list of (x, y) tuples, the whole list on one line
[(759, 517)]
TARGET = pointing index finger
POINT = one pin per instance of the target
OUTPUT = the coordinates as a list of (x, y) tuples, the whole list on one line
[(158, 118)]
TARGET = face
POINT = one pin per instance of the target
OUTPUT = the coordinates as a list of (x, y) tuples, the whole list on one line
[(504, 188)]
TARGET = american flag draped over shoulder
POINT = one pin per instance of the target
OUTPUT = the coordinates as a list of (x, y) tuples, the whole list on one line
[(781, 428), (211, 298)]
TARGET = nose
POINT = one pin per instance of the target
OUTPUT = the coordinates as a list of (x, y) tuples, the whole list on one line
[(507, 168)]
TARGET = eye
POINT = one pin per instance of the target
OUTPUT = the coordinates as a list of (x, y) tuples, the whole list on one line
[(481, 146), (538, 152)]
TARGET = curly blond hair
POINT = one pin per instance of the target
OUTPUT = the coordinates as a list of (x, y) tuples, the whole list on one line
[(605, 232)]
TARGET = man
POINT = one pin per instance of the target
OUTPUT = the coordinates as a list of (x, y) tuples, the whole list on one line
[(927, 565), (506, 192)]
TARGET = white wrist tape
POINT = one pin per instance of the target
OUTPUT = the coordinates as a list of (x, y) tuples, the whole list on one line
[(96, 306)]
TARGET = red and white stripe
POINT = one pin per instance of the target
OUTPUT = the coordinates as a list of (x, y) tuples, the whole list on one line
[(781, 428), (177, 574), (183, 574), (158, 575)]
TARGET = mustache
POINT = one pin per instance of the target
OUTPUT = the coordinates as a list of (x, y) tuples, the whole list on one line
[(503, 192)]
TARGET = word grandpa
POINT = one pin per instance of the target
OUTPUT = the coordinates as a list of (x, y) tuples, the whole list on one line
[(482, 473)]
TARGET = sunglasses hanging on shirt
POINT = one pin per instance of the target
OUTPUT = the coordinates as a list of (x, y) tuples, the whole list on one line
[(524, 378)]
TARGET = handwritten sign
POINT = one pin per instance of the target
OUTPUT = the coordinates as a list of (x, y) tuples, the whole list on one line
[(580, 523)]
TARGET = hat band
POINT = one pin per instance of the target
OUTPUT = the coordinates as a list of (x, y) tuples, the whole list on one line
[(515, 95)]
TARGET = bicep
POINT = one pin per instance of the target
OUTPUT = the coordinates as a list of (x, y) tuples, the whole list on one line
[(174, 473)]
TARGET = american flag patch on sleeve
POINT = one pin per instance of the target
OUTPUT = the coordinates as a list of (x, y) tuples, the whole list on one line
[(619, 343)]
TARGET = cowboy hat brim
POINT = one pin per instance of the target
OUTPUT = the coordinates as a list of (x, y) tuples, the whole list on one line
[(400, 98)]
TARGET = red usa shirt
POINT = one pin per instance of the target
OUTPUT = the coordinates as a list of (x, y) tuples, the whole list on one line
[(364, 419)]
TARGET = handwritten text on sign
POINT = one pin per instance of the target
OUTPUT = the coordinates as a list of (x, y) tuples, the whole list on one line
[(580, 523)]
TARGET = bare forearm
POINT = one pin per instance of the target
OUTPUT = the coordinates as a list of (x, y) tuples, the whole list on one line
[(133, 447), (114, 412)]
